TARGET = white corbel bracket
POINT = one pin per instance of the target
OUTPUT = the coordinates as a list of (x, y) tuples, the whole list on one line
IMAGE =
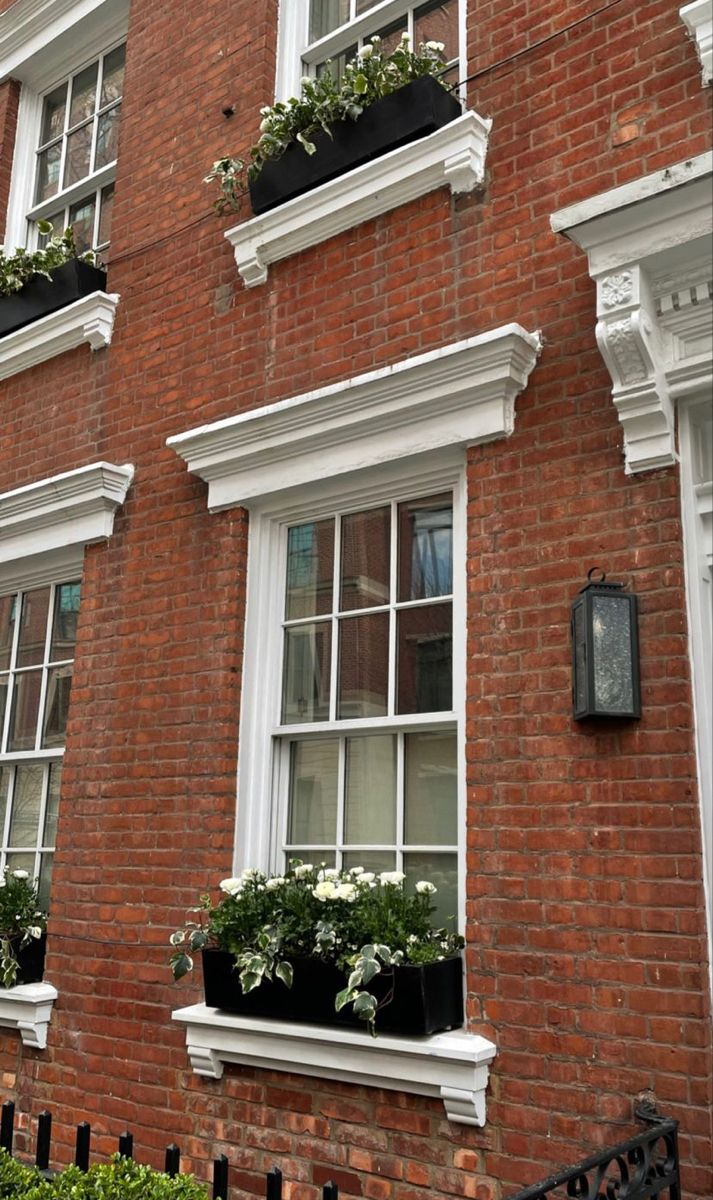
[(89, 320), (698, 19), (451, 1066), (453, 156), (649, 250), (28, 1008)]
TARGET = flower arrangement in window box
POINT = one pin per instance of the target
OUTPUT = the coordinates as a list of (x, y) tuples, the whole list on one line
[(381, 102), (23, 928), (34, 283), (327, 946)]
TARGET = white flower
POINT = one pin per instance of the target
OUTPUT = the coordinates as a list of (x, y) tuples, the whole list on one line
[(356, 871), (326, 890), (273, 884), (328, 873), (264, 110), (305, 80), (435, 46), (366, 51), (264, 125), (394, 878), (21, 874), (303, 869), (251, 873), (345, 891), (405, 37), (367, 877), (35, 931), (425, 888), (232, 885)]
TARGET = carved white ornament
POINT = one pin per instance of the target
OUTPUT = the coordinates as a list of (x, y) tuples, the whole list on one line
[(698, 19), (28, 1008), (453, 1067), (617, 289)]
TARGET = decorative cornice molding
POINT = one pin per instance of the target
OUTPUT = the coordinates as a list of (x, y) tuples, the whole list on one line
[(460, 394), (72, 509), (28, 1008), (649, 250), (453, 155), (451, 1066), (36, 36), (698, 19), (90, 320)]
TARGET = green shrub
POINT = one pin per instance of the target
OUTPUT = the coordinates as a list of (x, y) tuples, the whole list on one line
[(120, 1179)]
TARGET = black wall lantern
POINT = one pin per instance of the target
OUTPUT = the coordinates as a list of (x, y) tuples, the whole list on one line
[(605, 651)]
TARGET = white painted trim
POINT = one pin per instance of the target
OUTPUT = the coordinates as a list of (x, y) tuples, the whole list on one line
[(43, 40), (457, 395), (451, 1066), (698, 19), (452, 156), (69, 510), (649, 249), (90, 319), (28, 1008)]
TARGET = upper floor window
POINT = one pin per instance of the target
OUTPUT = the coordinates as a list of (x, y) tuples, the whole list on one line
[(316, 35), (75, 158), (38, 633)]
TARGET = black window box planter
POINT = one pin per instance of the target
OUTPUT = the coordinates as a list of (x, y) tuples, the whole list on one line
[(426, 998), (40, 296), (412, 112), (31, 960)]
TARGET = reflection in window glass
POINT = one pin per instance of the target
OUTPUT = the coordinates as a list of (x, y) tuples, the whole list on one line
[(313, 792), (306, 677), (310, 565)]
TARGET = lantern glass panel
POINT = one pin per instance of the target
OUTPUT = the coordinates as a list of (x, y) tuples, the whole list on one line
[(611, 633), (580, 659)]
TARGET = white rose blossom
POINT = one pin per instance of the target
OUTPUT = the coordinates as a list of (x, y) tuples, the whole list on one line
[(346, 891), (367, 877), (34, 931), (19, 874), (439, 46), (232, 885), (273, 884), (303, 869), (326, 890), (366, 51), (393, 878), (425, 888)]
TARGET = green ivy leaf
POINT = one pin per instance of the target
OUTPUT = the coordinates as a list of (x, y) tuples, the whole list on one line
[(283, 970), (181, 964)]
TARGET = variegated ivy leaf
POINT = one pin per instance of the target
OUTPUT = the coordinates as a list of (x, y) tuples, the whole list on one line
[(283, 970)]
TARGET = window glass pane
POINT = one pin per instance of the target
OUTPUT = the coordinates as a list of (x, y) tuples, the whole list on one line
[(4, 687), (57, 221), (364, 666), (43, 890), (426, 548), (113, 76), (107, 137), (33, 628), (64, 627), (53, 114), (370, 860), (84, 87), (437, 23), (370, 797), (25, 711), (48, 163), (390, 36), (326, 15), (79, 145), (27, 797), (336, 64), (425, 654), (310, 567), (363, 6), (366, 542), (49, 835), (7, 628), (59, 683), (81, 218), (431, 789), (21, 862), (5, 775), (441, 870), (305, 692), (106, 205), (313, 792)]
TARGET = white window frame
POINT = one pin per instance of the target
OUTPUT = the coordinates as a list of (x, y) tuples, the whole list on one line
[(293, 39), (42, 50), (260, 808)]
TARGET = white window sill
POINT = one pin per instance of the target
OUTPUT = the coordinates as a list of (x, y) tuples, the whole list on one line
[(699, 23), (453, 156), (90, 319), (28, 1008), (451, 1066)]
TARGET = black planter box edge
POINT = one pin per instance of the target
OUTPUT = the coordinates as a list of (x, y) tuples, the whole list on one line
[(410, 113), (427, 999), (30, 960), (39, 297)]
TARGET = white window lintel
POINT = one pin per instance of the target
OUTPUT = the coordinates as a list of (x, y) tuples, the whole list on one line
[(451, 1066), (28, 1008), (648, 244), (460, 394), (453, 156), (698, 19)]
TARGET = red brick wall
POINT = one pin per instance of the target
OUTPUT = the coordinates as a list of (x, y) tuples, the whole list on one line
[(586, 932)]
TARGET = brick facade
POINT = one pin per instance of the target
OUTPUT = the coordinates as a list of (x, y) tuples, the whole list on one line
[(587, 959)]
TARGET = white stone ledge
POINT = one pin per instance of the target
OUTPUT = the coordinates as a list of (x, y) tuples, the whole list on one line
[(453, 156), (90, 320), (72, 509), (460, 394), (451, 1066), (698, 19), (28, 1008)]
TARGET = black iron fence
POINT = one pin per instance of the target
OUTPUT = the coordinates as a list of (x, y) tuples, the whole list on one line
[(646, 1165), (172, 1163)]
